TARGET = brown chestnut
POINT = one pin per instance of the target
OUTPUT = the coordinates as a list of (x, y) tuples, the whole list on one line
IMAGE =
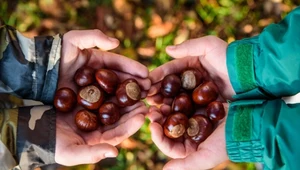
[(191, 78), (199, 128), (109, 113), (65, 99), (205, 93), (86, 121), (175, 125), (170, 85), (108, 80), (215, 111), (90, 97), (84, 76), (128, 93), (183, 104)]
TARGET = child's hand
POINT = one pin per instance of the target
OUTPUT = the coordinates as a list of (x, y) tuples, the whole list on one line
[(185, 154), (207, 55), (211, 52)]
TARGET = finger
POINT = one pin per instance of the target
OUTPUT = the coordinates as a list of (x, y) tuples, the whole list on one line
[(166, 109), (159, 99), (145, 83), (167, 146), (154, 89), (123, 131), (96, 136), (127, 116), (190, 48), (85, 154), (133, 108), (155, 116), (84, 39), (117, 62), (173, 67)]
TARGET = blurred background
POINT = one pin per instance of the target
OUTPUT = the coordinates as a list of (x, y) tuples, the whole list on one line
[(145, 28)]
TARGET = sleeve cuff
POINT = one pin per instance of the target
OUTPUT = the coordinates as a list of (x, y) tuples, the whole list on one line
[(243, 132), (48, 80), (241, 68)]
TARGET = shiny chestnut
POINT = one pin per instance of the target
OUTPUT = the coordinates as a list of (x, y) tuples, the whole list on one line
[(86, 121), (109, 113), (175, 125), (205, 93), (183, 104), (65, 99), (170, 85), (215, 111), (90, 97), (84, 76), (191, 78), (107, 79), (199, 128), (128, 93)]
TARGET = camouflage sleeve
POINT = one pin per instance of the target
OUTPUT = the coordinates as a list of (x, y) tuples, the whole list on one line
[(28, 70), (29, 67), (27, 137)]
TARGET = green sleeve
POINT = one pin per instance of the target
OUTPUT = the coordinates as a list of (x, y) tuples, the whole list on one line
[(268, 65), (264, 131)]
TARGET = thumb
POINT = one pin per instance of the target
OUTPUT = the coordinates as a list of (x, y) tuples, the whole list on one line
[(84, 39), (191, 48), (85, 154)]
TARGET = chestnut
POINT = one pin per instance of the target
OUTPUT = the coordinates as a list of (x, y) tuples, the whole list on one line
[(128, 93), (90, 97), (84, 76), (175, 125), (191, 78), (170, 85), (199, 128), (205, 93), (108, 80), (109, 113), (86, 121), (215, 111), (65, 99), (183, 104)]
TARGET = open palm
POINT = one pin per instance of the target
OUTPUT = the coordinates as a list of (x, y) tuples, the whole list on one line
[(72, 145), (208, 55)]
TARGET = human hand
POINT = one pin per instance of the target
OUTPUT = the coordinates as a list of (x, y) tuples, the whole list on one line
[(208, 52), (207, 55), (186, 154), (72, 145), (75, 147)]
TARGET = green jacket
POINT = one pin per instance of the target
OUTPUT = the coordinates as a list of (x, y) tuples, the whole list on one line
[(28, 70), (263, 123)]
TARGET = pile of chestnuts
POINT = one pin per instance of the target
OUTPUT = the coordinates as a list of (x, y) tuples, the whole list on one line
[(96, 88), (191, 92)]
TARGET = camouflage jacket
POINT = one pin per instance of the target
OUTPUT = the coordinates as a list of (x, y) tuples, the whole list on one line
[(28, 70)]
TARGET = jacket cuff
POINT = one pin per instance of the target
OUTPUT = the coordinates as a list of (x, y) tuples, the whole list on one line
[(241, 68), (36, 136), (48, 81), (242, 131), (34, 61)]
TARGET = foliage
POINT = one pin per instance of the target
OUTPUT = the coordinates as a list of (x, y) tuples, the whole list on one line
[(145, 28)]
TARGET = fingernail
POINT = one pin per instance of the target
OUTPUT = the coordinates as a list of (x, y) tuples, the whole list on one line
[(109, 155), (113, 39)]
